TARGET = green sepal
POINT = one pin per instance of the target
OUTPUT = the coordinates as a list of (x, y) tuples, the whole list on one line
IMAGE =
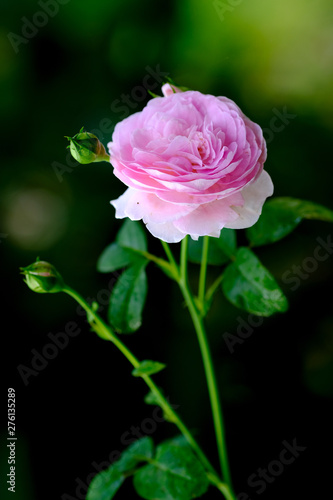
[(152, 94), (153, 399), (180, 87), (250, 286), (94, 306), (148, 367), (86, 148), (42, 277)]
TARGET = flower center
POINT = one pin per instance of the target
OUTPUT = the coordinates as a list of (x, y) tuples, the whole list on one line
[(201, 145)]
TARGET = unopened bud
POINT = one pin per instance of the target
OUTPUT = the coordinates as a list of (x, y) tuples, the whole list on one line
[(170, 87), (87, 148), (42, 277)]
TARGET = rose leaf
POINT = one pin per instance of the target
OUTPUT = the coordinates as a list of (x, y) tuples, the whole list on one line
[(105, 484), (148, 367), (249, 285), (175, 473), (128, 298), (280, 216)]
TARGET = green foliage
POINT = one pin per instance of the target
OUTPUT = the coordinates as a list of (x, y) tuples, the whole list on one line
[(105, 484), (128, 298), (139, 451), (280, 216), (148, 367), (152, 399), (220, 249), (250, 286), (174, 473), (130, 241), (132, 236), (227, 241), (115, 257)]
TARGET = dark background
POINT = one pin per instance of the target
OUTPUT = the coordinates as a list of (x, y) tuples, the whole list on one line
[(72, 71)]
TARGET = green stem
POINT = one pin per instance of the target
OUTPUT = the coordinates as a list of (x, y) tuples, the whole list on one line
[(104, 331), (170, 256), (208, 366), (225, 489), (212, 289), (203, 273), (101, 328), (163, 264)]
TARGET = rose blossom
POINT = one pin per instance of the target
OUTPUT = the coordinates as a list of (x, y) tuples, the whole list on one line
[(193, 164)]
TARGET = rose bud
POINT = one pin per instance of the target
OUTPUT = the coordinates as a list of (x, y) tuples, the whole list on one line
[(42, 277), (87, 148), (169, 89)]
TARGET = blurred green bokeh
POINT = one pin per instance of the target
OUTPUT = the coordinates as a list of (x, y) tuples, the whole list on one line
[(85, 64)]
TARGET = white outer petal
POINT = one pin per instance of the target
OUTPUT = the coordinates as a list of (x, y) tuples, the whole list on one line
[(254, 197), (166, 232), (137, 205), (127, 205)]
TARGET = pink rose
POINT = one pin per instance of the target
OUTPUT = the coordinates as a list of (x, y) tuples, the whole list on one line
[(193, 164)]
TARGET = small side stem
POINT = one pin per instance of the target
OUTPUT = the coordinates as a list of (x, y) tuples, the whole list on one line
[(203, 272), (103, 330), (170, 255), (222, 487), (163, 264), (212, 289)]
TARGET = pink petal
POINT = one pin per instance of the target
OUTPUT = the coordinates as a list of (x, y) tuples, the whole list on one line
[(254, 196), (168, 89), (166, 232), (210, 218), (137, 205)]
